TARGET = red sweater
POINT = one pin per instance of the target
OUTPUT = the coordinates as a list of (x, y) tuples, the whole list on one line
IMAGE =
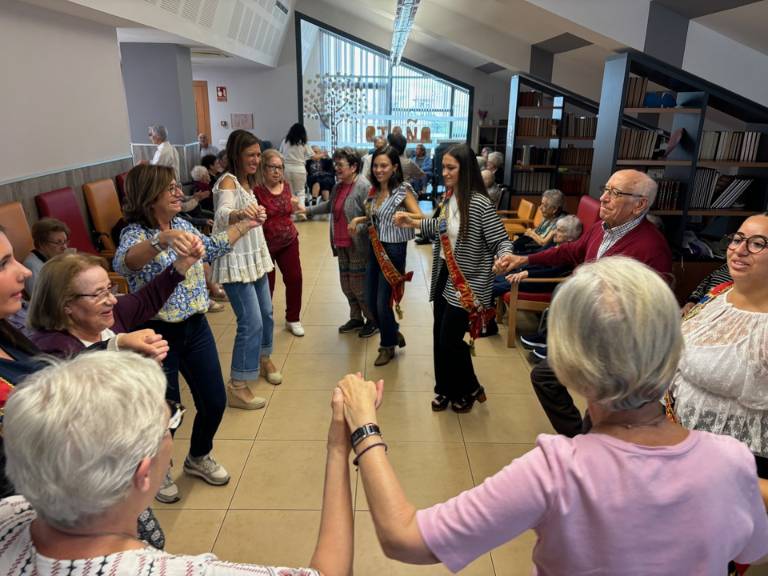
[(644, 243)]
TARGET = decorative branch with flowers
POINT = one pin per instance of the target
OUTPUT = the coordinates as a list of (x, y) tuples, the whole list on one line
[(333, 99), (483, 115)]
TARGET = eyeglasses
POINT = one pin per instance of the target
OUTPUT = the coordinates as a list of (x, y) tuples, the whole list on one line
[(102, 295), (275, 167), (58, 242), (174, 188), (340, 165), (177, 415), (615, 192), (755, 244)]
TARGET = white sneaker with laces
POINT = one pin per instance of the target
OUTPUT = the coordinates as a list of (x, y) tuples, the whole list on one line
[(295, 328), (169, 492), (207, 468)]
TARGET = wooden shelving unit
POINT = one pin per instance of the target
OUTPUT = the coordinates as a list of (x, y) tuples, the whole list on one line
[(671, 110), (653, 162), (492, 136)]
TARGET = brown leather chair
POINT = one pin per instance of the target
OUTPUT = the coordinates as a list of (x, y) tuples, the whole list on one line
[(518, 221), (14, 222), (104, 208)]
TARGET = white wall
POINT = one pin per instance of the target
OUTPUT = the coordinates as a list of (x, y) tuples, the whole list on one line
[(62, 100), (571, 72)]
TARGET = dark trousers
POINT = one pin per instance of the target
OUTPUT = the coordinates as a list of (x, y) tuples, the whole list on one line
[(556, 401), (379, 293), (192, 350), (454, 374), (287, 259)]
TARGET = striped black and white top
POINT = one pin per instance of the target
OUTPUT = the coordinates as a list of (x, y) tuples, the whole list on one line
[(382, 215), (486, 238), (715, 278)]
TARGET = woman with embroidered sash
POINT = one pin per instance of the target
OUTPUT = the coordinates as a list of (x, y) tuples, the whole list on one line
[(385, 275)]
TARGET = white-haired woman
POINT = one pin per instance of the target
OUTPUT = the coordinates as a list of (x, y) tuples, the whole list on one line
[(77, 515), (638, 494)]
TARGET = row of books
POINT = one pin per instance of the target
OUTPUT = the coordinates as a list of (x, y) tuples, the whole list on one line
[(729, 145), (635, 95), (637, 144), (573, 184), (530, 98), (576, 156), (711, 189), (536, 126), (578, 126), (668, 195), (571, 156), (531, 182)]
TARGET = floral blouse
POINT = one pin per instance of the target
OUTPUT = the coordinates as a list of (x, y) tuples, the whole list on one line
[(191, 295)]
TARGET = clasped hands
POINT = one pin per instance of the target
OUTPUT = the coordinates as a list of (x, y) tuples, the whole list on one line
[(508, 262), (353, 404), (253, 215)]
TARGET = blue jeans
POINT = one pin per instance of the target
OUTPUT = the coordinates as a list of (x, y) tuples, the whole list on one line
[(253, 308), (192, 351), (379, 293)]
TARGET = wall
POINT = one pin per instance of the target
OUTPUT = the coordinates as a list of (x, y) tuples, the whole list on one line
[(62, 83)]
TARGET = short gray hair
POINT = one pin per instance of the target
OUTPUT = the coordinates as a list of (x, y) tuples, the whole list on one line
[(198, 172), (160, 130), (75, 431), (570, 226), (555, 197), (496, 158), (614, 333)]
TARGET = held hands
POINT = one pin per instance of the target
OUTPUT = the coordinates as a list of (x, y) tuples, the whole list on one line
[(354, 223), (191, 253), (361, 398), (253, 215), (508, 262), (404, 220), (181, 242), (517, 277), (297, 206), (146, 342)]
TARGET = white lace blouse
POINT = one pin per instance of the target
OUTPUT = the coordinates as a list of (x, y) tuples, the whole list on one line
[(721, 384), (249, 259)]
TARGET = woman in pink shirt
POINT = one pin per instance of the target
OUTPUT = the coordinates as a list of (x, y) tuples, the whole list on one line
[(637, 495)]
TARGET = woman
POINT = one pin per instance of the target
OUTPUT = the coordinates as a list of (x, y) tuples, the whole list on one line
[(346, 203), (467, 236), (243, 273), (636, 495), (282, 237), (153, 239), (722, 382), (76, 515), (51, 238), (19, 358), (296, 153), (385, 275), (534, 240)]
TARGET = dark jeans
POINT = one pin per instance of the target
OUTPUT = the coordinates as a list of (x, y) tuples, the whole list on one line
[(192, 350), (556, 401), (379, 293), (454, 374)]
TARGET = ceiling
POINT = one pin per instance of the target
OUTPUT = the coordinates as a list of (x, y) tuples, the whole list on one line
[(746, 24)]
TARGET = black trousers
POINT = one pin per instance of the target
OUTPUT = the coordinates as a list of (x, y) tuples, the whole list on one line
[(556, 401), (454, 373)]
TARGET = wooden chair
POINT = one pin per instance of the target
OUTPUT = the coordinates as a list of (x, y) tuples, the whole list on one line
[(104, 207), (517, 221)]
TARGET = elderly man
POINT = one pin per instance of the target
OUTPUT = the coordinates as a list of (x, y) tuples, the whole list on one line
[(206, 147), (166, 154), (623, 230)]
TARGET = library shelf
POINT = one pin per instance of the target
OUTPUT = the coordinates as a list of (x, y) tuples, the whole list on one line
[(669, 110), (653, 162)]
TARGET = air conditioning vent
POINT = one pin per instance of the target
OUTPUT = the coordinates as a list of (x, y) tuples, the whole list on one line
[(234, 23), (191, 10), (170, 5), (208, 13)]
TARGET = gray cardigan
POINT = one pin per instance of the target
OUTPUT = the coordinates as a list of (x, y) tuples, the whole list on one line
[(354, 206)]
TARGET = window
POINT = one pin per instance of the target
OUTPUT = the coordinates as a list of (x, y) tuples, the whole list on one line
[(427, 107)]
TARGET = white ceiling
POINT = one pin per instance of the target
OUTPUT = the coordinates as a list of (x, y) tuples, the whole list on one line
[(746, 24)]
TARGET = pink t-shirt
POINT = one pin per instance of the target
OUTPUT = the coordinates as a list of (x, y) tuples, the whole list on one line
[(602, 507)]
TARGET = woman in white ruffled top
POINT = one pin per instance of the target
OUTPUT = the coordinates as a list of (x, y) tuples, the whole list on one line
[(243, 272), (722, 381)]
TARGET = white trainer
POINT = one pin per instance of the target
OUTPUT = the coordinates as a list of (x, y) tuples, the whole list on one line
[(169, 492), (295, 328), (207, 468)]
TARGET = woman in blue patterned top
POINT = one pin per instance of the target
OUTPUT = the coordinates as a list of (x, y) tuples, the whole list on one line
[(155, 235), (388, 195)]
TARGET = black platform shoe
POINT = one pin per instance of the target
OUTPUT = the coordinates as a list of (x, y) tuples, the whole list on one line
[(465, 404), (440, 403)]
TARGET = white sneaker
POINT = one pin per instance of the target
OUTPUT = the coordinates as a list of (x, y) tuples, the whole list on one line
[(206, 468), (295, 328), (169, 492)]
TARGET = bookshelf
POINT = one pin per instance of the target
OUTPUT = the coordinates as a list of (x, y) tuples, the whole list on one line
[(492, 136)]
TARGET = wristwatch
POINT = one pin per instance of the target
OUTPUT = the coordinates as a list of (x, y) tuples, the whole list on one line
[(363, 432), (155, 242)]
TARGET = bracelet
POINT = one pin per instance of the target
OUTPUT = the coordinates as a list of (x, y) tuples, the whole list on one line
[(363, 432), (240, 229), (364, 450)]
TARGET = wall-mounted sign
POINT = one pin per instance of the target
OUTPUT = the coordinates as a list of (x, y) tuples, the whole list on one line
[(241, 121), (221, 93)]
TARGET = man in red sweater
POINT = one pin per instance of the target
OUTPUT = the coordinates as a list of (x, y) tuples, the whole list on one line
[(623, 230)]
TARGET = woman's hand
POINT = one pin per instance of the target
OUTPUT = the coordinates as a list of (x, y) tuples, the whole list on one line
[(194, 252), (338, 431), (508, 262), (354, 223), (179, 240), (404, 220), (687, 308), (146, 342), (297, 206), (201, 195), (517, 277), (361, 399)]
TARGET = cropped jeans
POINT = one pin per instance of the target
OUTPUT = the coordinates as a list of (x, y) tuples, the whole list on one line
[(379, 292), (252, 305)]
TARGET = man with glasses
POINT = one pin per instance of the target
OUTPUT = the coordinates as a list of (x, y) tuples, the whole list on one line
[(51, 238), (622, 230)]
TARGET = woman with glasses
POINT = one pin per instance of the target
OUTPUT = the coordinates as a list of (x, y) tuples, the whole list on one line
[(153, 239), (76, 515), (50, 237), (721, 384), (274, 195)]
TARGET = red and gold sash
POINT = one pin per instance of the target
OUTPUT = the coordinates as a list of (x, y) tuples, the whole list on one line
[(479, 315), (392, 275)]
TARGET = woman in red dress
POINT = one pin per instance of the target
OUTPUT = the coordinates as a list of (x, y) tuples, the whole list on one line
[(274, 193)]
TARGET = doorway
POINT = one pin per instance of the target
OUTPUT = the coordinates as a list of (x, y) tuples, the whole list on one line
[(202, 112)]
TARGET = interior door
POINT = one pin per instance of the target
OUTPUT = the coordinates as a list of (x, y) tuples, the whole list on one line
[(202, 112)]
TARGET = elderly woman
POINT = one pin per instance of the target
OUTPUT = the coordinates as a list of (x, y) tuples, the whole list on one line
[(637, 491), (153, 239), (346, 203), (77, 515), (722, 382), (51, 238), (539, 238)]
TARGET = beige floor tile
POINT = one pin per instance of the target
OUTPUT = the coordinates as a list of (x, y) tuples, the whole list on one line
[(418, 340), (196, 494), (318, 371), (329, 293), (269, 537), (370, 560), (494, 346), (407, 372), (417, 313), (509, 375), (487, 459), (190, 531), (328, 277), (515, 557), (325, 313), (297, 415), (429, 472), (407, 416), (516, 419), (327, 340)]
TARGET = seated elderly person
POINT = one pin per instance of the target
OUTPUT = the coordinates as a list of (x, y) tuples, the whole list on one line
[(50, 237), (320, 174), (638, 494), (495, 163), (422, 159), (539, 238), (493, 189), (77, 514)]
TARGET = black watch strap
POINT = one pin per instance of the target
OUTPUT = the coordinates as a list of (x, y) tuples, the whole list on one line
[(363, 432)]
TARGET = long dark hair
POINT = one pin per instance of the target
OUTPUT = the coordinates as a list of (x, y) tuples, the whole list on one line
[(470, 181), (397, 176), (237, 143), (297, 134)]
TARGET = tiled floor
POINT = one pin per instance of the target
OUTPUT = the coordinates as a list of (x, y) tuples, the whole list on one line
[(270, 511)]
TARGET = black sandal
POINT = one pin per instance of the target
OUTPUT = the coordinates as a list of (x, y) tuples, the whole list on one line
[(440, 403), (464, 405)]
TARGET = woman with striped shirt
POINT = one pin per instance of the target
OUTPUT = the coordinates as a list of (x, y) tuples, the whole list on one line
[(388, 194), (469, 228)]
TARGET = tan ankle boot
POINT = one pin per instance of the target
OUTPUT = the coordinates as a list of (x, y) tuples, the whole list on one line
[(240, 396)]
